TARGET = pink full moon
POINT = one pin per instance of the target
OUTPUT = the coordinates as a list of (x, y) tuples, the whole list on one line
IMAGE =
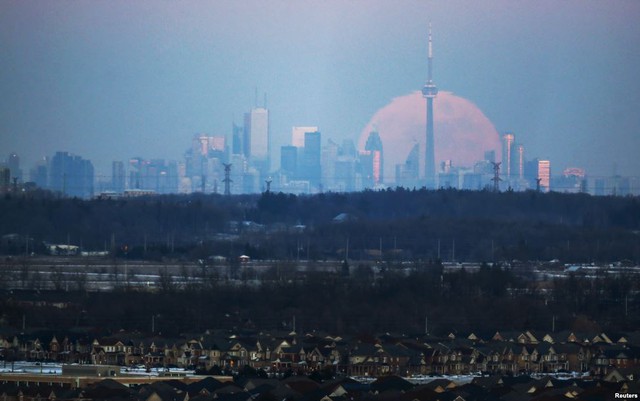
[(462, 133)]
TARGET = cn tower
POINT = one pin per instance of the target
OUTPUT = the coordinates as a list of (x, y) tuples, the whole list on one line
[(429, 91)]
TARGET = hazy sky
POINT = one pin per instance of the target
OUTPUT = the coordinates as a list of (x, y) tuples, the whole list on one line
[(110, 80)]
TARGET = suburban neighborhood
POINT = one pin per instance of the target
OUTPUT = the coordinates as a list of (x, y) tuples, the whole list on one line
[(553, 364)]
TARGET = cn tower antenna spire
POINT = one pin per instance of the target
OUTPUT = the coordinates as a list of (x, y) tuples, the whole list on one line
[(429, 77)]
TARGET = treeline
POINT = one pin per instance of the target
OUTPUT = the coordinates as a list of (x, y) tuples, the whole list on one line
[(351, 300), (388, 225)]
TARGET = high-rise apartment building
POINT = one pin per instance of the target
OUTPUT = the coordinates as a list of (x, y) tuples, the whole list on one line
[(544, 175), (508, 156), (136, 165), (203, 162), (207, 145), (118, 177), (40, 173), (520, 161), (72, 175)]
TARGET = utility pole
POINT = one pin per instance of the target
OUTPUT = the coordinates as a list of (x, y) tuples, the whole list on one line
[(626, 305), (227, 181), (496, 176), (346, 257)]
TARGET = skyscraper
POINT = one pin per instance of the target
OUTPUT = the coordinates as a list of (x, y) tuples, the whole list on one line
[(40, 173), (118, 177), (520, 161), (344, 169), (72, 175), (311, 158), (544, 175), (374, 145), (289, 161), (329, 160), (237, 135), (429, 91), (5, 179), (508, 154), (256, 138), (297, 135)]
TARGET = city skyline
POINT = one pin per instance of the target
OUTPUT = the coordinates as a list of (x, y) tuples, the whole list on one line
[(119, 80)]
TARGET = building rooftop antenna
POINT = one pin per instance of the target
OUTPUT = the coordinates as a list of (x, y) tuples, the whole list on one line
[(255, 97)]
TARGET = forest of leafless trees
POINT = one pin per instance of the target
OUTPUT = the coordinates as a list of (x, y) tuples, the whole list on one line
[(388, 248)]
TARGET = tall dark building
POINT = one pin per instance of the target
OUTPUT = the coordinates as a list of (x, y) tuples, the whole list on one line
[(5, 179), (429, 91), (374, 147), (118, 177), (237, 135), (136, 165), (40, 174), (72, 175), (311, 156), (364, 169), (289, 160)]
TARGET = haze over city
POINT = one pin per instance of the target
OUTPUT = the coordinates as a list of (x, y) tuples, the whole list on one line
[(319, 200), (116, 80)]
